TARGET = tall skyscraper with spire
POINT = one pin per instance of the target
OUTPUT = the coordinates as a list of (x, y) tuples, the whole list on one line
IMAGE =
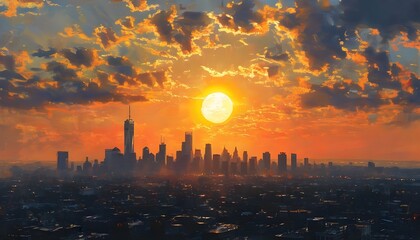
[(129, 134)]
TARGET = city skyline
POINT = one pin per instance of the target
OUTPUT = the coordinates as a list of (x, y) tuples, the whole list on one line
[(324, 78)]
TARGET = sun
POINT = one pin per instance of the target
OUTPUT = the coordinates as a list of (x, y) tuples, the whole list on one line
[(217, 107)]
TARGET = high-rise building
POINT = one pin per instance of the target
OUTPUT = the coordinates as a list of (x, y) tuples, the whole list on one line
[(146, 154), (207, 159), (196, 162), (244, 163), (188, 146), (129, 134), (266, 161), (161, 155), (253, 165), (216, 163), (282, 162), (62, 160), (87, 166), (293, 165)]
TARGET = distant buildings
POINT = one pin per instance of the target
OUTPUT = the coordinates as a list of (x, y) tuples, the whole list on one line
[(184, 161), (282, 162), (293, 165), (62, 160)]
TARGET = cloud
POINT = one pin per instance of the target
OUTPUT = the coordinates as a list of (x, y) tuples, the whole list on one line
[(319, 36), (380, 71), (81, 56), (181, 29), (388, 16), (14, 5), (106, 37), (8, 61), (241, 18), (68, 88), (341, 95), (150, 78), (138, 5), (44, 53)]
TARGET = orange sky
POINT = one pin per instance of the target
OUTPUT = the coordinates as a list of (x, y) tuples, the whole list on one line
[(303, 78)]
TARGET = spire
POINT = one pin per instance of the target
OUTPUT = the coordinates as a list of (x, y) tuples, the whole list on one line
[(129, 112)]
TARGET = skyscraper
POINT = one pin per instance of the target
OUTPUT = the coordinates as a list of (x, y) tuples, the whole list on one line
[(161, 155), (244, 163), (266, 161), (188, 146), (129, 134), (293, 165), (207, 159), (62, 160), (282, 162), (253, 165), (216, 163)]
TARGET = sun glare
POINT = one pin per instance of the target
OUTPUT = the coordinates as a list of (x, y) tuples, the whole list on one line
[(217, 107)]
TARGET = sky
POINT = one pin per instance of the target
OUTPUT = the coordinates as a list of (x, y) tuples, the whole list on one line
[(324, 79)]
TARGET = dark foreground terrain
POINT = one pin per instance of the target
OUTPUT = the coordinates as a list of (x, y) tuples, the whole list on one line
[(212, 207)]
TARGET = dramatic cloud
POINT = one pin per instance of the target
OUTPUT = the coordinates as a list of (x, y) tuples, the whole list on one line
[(341, 95), (318, 35), (242, 18), (388, 16), (151, 78), (14, 5), (137, 5), (80, 56), (44, 53), (181, 30), (380, 70)]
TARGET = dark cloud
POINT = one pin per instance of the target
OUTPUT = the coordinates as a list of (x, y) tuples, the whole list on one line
[(8, 61), (122, 67), (341, 95), (380, 71), (189, 23), (150, 78), (390, 17), (181, 30), (44, 53), (161, 21), (106, 35), (241, 17), (61, 73), (7, 75), (276, 53), (318, 34), (69, 90), (79, 57)]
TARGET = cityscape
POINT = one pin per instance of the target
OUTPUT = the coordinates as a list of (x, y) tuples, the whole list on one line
[(215, 196), (186, 161), (209, 119)]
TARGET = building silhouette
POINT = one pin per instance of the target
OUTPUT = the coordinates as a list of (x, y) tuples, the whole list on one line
[(244, 163), (253, 165), (216, 163), (207, 159), (62, 160), (129, 134), (266, 162), (293, 165), (161, 155), (282, 162)]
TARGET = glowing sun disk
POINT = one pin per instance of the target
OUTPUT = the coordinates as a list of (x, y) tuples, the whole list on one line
[(217, 107)]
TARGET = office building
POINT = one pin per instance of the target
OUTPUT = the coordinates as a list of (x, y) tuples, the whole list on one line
[(282, 162), (62, 160), (293, 165)]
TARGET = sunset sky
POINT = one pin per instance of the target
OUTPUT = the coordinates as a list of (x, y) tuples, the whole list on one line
[(324, 79)]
